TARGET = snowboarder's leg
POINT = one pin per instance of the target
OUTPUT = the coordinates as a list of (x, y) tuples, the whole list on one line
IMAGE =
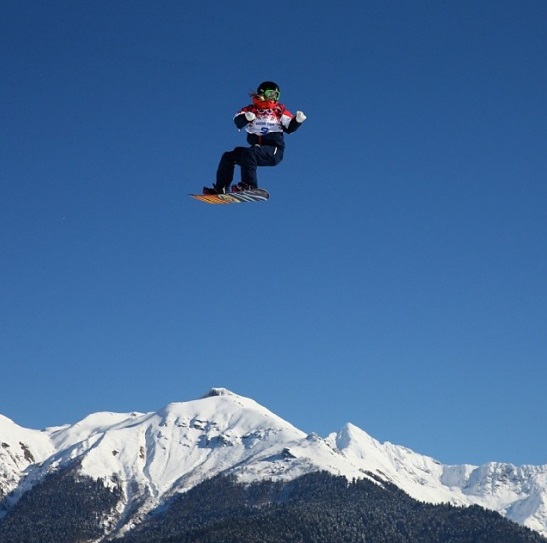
[(248, 164), (258, 155), (225, 171)]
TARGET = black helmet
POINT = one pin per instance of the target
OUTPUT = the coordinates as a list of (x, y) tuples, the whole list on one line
[(266, 86)]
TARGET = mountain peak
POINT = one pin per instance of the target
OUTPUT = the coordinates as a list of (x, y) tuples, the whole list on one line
[(218, 391)]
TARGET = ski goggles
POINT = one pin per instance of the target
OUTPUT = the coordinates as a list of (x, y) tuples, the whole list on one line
[(272, 94)]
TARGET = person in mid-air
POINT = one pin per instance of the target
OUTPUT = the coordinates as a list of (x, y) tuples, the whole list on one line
[(265, 121)]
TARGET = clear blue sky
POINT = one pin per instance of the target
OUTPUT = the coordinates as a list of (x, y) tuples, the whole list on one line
[(396, 279)]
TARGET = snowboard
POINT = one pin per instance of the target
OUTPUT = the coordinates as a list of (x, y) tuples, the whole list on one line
[(252, 195)]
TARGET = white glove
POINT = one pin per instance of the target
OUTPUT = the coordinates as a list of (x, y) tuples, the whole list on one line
[(300, 117), (250, 116)]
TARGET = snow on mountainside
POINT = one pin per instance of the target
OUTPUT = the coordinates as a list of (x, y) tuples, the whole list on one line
[(155, 455), (20, 449), (519, 493)]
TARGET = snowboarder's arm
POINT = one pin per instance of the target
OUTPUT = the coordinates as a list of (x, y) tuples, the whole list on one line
[(240, 120), (296, 121), (244, 117)]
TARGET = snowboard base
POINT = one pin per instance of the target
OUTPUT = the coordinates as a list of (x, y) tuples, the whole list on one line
[(252, 195)]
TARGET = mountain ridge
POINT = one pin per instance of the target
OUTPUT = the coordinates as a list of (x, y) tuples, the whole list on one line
[(154, 456)]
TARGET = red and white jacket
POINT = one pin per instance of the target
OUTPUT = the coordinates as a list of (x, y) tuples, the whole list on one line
[(269, 126)]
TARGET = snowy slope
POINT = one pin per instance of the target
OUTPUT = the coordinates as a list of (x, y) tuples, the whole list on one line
[(519, 493), (20, 450), (155, 455)]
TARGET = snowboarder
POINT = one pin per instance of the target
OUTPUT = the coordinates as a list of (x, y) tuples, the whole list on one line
[(265, 121)]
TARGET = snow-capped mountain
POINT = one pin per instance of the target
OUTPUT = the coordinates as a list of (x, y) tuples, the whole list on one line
[(153, 456)]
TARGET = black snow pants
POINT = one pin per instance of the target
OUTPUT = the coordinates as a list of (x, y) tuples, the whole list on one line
[(248, 158)]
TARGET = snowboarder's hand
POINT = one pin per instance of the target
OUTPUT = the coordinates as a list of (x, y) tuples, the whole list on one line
[(250, 116), (300, 117)]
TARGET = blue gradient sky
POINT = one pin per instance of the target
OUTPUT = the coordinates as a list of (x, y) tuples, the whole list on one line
[(396, 279)]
